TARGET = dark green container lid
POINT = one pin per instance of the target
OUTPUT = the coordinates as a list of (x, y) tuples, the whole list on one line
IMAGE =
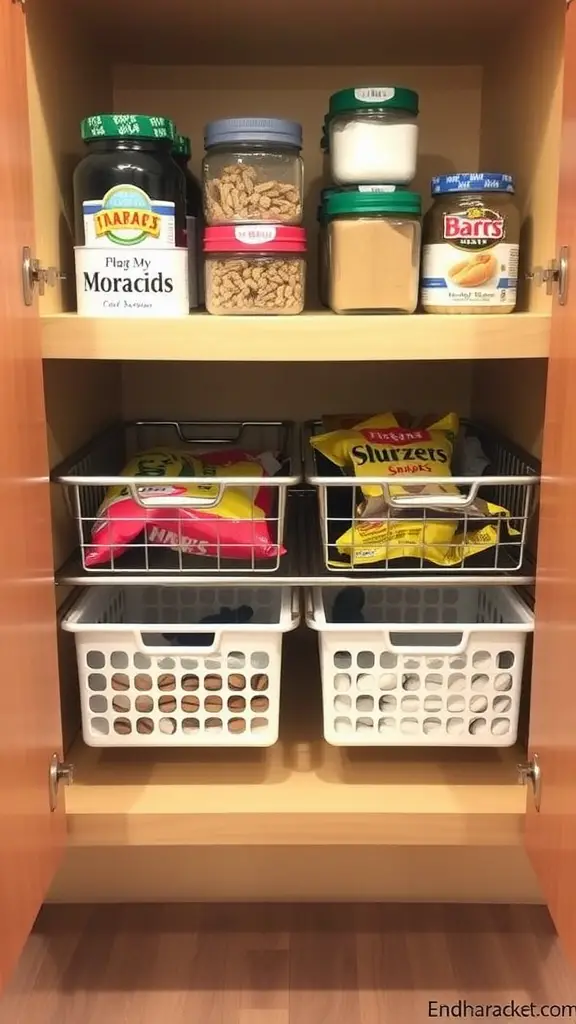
[(366, 203), (126, 126), (372, 97), (182, 147)]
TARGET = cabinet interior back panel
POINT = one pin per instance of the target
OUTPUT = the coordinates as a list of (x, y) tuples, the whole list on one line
[(297, 391)]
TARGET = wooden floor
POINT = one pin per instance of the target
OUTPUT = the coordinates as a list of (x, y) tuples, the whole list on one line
[(258, 964)]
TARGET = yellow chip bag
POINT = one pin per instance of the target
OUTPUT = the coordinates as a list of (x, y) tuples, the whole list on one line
[(436, 541), (381, 531), (380, 447)]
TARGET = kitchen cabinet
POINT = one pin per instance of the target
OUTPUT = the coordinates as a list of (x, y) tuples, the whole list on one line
[(300, 820)]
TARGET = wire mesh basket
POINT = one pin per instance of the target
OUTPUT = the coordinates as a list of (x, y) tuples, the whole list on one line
[(455, 532), (157, 517)]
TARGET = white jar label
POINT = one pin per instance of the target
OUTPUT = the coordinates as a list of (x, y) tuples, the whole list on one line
[(482, 279), (470, 262), (255, 234), (377, 188), (123, 282), (127, 216), (374, 95)]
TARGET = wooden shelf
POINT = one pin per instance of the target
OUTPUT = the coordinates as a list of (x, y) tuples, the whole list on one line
[(299, 792), (312, 337)]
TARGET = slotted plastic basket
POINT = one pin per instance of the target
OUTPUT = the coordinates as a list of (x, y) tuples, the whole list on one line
[(162, 547), (510, 482), (152, 674), (427, 666)]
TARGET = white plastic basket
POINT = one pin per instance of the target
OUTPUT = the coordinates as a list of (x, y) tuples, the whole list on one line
[(152, 675), (428, 666)]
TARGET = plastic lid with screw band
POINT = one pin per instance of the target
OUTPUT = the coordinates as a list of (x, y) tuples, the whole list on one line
[(255, 238), (126, 126), (182, 147), (372, 97), (477, 182), (273, 130), (400, 202)]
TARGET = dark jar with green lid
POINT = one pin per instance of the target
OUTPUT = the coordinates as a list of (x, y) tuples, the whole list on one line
[(182, 153), (130, 219), (374, 241)]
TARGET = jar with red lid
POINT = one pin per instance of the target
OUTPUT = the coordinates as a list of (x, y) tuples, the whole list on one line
[(255, 269)]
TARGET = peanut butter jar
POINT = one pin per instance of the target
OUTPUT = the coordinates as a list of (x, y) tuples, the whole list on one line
[(471, 245)]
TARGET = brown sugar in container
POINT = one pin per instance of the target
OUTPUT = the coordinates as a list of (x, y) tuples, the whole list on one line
[(471, 245), (374, 251)]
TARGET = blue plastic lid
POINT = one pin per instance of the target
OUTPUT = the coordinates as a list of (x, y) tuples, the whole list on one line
[(253, 129), (480, 182)]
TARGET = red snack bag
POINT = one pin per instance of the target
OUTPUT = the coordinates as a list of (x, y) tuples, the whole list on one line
[(209, 519)]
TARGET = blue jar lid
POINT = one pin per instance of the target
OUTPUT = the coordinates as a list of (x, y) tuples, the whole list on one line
[(253, 129), (479, 182)]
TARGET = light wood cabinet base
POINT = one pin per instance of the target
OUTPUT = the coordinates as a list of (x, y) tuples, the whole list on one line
[(375, 873)]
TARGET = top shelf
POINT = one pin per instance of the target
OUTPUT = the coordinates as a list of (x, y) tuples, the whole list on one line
[(311, 337)]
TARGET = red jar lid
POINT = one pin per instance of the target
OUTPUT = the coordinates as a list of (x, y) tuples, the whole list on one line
[(254, 238)]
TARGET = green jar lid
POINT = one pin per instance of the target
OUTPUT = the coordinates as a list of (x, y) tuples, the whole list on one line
[(366, 203), (125, 126), (182, 146), (373, 97)]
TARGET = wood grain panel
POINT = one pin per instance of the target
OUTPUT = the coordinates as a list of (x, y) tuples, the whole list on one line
[(523, 72), (269, 964), (551, 834), (313, 337), (322, 32), (68, 79), (30, 837), (112, 874)]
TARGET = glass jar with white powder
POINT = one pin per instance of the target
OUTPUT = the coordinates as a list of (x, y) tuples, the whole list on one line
[(373, 135)]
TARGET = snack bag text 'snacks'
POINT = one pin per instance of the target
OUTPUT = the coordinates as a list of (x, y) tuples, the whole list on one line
[(230, 521), (380, 447)]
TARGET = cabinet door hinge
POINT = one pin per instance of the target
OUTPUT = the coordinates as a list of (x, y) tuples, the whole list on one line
[(33, 273), (531, 772), (555, 275), (58, 772)]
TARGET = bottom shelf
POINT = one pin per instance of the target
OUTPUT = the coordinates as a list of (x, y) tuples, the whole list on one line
[(300, 792)]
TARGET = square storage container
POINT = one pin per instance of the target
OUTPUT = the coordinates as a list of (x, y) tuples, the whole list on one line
[(427, 666), (255, 269), (152, 674), (253, 171)]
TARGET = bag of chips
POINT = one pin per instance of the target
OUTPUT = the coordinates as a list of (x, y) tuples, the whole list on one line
[(400, 456), (207, 519)]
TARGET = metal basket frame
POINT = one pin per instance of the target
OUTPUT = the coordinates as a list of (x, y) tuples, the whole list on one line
[(97, 466), (513, 486)]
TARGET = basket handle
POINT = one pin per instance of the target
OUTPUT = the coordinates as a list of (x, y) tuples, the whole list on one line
[(431, 501), (172, 500), (212, 646), (424, 642), (295, 605)]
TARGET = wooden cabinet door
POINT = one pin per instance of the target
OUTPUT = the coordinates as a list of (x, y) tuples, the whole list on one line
[(31, 837), (551, 832)]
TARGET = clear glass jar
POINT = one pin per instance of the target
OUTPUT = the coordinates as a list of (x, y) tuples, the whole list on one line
[(255, 270), (374, 242), (373, 135), (253, 171)]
